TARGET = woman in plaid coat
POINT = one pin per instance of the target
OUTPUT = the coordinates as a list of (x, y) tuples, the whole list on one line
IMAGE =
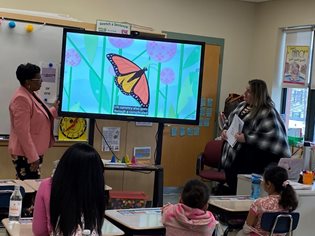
[(263, 139)]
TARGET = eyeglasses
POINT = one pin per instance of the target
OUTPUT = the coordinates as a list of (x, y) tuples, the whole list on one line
[(36, 79)]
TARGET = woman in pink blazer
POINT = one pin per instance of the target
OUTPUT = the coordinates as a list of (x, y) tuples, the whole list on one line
[(32, 123)]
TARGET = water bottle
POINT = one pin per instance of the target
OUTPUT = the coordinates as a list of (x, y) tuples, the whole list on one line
[(15, 207), (86, 232), (255, 186)]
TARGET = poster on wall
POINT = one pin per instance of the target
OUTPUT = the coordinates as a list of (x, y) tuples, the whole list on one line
[(113, 27), (112, 136), (296, 66), (48, 91)]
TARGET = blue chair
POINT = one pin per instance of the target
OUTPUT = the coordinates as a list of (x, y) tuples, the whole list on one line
[(280, 222)]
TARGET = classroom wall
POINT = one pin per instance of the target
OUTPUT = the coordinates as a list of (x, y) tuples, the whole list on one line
[(229, 19), (271, 16), (251, 31)]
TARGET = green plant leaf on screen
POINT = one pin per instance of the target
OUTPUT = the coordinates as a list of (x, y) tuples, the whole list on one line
[(76, 107), (91, 43), (99, 91), (171, 112), (185, 94), (192, 58), (193, 76)]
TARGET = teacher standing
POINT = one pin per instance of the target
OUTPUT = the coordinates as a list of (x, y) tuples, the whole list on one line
[(32, 123), (263, 139)]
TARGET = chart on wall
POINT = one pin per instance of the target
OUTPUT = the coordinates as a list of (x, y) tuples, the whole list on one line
[(22, 42)]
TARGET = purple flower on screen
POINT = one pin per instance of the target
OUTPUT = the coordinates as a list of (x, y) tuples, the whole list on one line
[(72, 57), (167, 75), (120, 42), (161, 51)]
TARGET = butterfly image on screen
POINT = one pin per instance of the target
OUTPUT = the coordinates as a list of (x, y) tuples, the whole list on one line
[(130, 78)]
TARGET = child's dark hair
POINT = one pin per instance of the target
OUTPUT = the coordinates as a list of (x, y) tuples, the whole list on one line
[(278, 176), (195, 194)]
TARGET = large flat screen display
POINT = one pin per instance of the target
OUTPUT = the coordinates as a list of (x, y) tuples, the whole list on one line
[(123, 77)]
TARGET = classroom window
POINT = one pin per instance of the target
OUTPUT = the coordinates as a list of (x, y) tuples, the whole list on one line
[(298, 96)]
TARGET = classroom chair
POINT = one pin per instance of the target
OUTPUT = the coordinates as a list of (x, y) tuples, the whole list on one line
[(211, 159), (280, 222)]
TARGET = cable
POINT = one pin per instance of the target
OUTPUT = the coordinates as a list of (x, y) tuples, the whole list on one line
[(298, 149), (98, 129), (156, 142)]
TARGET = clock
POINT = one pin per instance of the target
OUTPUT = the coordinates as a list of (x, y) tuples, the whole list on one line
[(72, 127)]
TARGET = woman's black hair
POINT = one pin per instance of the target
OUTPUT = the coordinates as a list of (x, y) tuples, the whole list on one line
[(77, 191), (195, 194), (27, 72), (278, 176)]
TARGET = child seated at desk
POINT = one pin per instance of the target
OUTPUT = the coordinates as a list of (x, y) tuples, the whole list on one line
[(74, 198), (281, 197), (190, 216)]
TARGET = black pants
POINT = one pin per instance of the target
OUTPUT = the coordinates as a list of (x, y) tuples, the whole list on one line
[(23, 170), (248, 160)]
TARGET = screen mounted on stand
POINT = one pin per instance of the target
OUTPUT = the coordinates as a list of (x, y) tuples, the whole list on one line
[(123, 77)]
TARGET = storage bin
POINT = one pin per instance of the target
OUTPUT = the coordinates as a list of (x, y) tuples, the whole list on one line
[(293, 141), (125, 199)]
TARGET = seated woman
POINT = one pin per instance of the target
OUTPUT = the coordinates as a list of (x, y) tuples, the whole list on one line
[(74, 198), (281, 197)]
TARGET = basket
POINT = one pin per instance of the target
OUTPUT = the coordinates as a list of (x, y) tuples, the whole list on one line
[(125, 200)]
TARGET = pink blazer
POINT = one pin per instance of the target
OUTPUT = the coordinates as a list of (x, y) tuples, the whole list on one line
[(31, 131)]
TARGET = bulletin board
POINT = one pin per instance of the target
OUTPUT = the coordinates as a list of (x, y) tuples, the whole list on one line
[(17, 46)]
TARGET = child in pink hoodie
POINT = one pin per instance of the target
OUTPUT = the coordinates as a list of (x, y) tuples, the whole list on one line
[(190, 217)]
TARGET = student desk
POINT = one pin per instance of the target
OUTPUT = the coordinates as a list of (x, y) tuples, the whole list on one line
[(26, 187), (158, 178), (31, 186), (306, 206), (25, 229), (17, 229), (139, 221), (230, 210), (34, 184)]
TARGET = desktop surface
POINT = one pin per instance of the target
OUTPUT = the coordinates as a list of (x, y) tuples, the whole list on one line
[(232, 203), (25, 228), (137, 218)]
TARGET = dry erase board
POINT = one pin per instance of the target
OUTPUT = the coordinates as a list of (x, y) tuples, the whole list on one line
[(17, 46)]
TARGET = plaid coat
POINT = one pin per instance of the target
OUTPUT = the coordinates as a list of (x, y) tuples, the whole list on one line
[(266, 132)]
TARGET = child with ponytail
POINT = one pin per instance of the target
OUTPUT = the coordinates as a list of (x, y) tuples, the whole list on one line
[(281, 198)]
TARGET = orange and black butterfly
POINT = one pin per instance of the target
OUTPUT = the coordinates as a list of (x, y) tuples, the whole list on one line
[(130, 78)]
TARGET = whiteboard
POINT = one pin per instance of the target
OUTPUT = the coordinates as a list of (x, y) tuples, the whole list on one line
[(17, 46)]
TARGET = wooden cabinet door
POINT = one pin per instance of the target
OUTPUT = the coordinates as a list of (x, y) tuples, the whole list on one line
[(179, 153)]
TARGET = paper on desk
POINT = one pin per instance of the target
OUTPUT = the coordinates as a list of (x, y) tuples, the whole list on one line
[(235, 127), (298, 186)]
